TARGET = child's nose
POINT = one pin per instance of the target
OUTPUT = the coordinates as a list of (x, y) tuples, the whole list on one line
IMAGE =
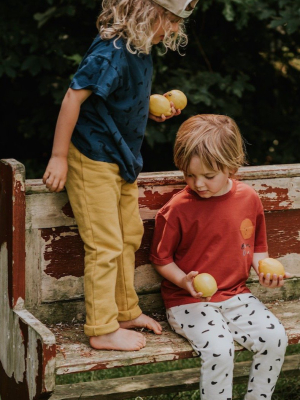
[(199, 182)]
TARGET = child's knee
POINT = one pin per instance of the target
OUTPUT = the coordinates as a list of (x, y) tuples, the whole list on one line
[(273, 339)]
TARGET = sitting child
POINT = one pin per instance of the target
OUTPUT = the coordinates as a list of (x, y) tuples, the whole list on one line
[(216, 225)]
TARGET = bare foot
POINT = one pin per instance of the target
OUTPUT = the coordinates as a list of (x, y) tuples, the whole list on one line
[(121, 339), (142, 321)]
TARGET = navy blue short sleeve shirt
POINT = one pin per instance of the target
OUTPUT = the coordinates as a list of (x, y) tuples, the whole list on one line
[(112, 121)]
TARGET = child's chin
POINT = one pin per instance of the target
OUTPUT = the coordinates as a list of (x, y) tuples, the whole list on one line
[(205, 194)]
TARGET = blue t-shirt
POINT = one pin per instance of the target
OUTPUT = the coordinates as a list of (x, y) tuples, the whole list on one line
[(112, 121)]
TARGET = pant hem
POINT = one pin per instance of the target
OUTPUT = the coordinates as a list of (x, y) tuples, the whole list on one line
[(101, 329), (129, 315)]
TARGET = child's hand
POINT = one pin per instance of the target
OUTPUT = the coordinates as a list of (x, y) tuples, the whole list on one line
[(190, 287), (55, 175), (276, 282), (162, 118)]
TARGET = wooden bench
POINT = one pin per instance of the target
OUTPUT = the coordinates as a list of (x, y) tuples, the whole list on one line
[(41, 288)]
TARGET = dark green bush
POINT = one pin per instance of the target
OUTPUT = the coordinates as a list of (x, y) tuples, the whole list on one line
[(243, 60)]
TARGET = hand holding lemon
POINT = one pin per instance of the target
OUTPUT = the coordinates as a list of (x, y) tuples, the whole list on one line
[(206, 284), (270, 266), (161, 104), (271, 273)]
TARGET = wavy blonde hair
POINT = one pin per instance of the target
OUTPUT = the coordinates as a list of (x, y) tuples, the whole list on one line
[(215, 139), (133, 20)]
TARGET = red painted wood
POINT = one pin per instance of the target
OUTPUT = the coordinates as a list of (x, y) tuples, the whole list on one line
[(48, 352), (274, 198), (65, 254), (283, 232), (10, 389), (5, 206), (142, 255), (155, 200), (12, 223)]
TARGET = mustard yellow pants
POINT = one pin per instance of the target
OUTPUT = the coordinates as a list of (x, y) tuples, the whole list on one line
[(106, 211)]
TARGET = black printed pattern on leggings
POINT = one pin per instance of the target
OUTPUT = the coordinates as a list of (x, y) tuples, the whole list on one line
[(212, 328)]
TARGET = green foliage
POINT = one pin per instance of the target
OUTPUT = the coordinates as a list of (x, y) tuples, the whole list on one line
[(243, 60), (240, 63)]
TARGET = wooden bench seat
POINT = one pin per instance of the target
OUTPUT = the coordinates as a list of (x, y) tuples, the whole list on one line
[(75, 355), (41, 287)]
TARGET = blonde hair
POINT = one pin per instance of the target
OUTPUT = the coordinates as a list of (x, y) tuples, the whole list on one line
[(133, 20), (215, 139)]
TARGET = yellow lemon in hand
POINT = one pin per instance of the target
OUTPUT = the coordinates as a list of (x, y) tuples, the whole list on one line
[(178, 98), (206, 284), (159, 105), (270, 266)]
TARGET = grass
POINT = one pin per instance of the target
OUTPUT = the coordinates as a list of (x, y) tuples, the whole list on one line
[(287, 387)]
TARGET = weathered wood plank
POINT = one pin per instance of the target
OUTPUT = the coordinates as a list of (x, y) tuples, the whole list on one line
[(156, 383), (176, 177), (47, 210), (27, 351), (151, 303), (61, 259), (12, 232), (62, 264), (33, 268), (75, 354), (275, 194), (68, 311)]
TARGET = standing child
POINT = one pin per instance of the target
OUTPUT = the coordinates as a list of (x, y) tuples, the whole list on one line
[(105, 112), (216, 225)]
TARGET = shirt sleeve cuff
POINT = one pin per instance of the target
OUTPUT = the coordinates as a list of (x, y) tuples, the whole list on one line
[(160, 261), (261, 249)]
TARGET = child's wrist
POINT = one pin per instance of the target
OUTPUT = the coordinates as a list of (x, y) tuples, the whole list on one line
[(184, 283), (57, 155)]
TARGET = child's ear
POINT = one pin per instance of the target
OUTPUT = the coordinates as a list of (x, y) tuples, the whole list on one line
[(232, 172)]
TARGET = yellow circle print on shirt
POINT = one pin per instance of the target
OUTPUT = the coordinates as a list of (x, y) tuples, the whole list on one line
[(247, 228)]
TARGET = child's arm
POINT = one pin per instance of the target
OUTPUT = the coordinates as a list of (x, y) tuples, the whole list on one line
[(277, 281), (56, 172), (175, 275)]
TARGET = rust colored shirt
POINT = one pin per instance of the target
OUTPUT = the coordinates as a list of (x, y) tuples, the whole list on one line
[(217, 235)]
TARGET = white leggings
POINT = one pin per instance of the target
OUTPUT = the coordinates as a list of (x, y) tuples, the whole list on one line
[(211, 329)]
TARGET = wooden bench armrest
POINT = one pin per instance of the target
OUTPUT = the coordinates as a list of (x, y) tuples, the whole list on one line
[(28, 350)]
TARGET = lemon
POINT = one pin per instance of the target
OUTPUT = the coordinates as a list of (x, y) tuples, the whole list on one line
[(178, 98), (159, 105), (206, 284), (270, 266)]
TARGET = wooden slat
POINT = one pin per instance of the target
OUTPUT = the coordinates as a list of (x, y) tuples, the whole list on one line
[(156, 383), (33, 268), (34, 186), (12, 226), (151, 303), (68, 311), (47, 210), (62, 256), (75, 354)]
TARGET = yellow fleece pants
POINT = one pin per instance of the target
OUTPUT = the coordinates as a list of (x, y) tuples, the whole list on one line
[(106, 210)]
